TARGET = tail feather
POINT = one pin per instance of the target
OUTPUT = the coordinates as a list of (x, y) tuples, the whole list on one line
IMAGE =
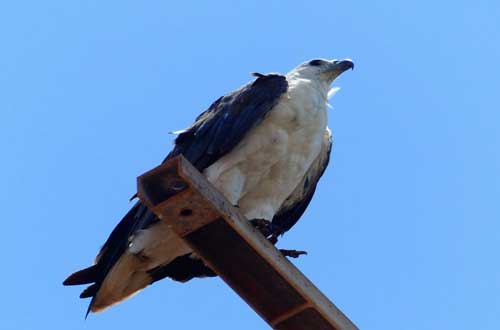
[(120, 272), (138, 217), (90, 291), (84, 276)]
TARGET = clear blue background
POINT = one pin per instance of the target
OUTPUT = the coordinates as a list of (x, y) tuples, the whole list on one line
[(404, 230)]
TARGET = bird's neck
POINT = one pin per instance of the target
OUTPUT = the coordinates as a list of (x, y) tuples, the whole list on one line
[(321, 85)]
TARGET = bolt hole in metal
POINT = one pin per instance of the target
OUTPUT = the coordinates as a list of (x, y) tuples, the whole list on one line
[(178, 185), (186, 212)]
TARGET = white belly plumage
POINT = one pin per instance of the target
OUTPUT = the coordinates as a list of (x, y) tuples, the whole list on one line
[(264, 169)]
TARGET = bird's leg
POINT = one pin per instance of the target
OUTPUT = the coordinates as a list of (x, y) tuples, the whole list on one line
[(262, 225), (276, 231), (268, 229), (273, 239), (292, 253), (272, 232)]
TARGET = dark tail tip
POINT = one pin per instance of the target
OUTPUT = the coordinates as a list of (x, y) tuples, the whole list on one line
[(84, 276), (89, 291), (89, 309)]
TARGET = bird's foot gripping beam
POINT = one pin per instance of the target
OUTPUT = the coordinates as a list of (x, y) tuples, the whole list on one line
[(182, 197)]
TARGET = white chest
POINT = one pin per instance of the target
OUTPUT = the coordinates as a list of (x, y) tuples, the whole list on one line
[(266, 166)]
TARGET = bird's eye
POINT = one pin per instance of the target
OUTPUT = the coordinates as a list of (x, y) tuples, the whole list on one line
[(316, 62)]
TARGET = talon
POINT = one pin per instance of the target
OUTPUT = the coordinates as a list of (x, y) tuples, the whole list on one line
[(273, 239), (260, 222), (292, 253), (262, 225)]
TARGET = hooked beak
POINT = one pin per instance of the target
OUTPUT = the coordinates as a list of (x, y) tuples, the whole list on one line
[(337, 67)]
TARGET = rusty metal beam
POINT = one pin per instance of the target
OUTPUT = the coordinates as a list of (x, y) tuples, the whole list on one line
[(182, 197)]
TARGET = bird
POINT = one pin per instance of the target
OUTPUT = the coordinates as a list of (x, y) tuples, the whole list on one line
[(264, 146)]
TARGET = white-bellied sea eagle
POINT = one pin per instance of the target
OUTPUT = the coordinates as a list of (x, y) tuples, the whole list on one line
[(264, 146)]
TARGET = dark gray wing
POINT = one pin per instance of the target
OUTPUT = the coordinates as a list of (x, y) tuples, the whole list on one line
[(215, 133), (220, 128)]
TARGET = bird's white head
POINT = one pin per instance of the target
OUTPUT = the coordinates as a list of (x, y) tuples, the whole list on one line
[(321, 70)]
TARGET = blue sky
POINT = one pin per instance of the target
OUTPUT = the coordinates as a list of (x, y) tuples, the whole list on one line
[(403, 232)]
